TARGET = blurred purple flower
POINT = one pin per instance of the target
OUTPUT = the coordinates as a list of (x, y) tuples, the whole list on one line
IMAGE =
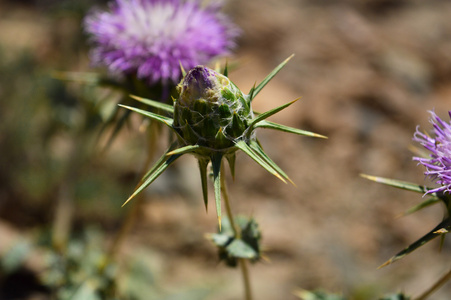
[(438, 165), (151, 38)]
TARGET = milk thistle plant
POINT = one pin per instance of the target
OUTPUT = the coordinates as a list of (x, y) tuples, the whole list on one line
[(213, 119), (437, 160)]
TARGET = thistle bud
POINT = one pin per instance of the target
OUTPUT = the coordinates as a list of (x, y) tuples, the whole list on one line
[(210, 111)]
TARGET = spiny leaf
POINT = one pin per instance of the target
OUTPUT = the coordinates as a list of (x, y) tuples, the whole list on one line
[(158, 163), (269, 113), (155, 104), (216, 164), (162, 164), (88, 78), (398, 184), (255, 145), (239, 248), (82, 77), (182, 69), (203, 163), (269, 77), (231, 158), (251, 92), (184, 150), (437, 231), (422, 205), (246, 149), (226, 69), (153, 116), (117, 126), (275, 126)]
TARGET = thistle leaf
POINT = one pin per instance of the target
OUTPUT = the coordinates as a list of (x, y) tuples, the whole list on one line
[(267, 114), (422, 205), (117, 126), (231, 158), (183, 150), (251, 92), (250, 152), (270, 76), (239, 248), (153, 116), (203, 163), (155, 104), (439, 230), (160, 166), (216, 164), (255, 145), (275, 126), (226, 69), (87, 78), (82, 77), (398, 184), (182, 69)]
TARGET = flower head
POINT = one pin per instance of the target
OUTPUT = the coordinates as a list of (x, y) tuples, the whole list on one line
[(213, 119), (151, 38), (438, 164), (211, 111)]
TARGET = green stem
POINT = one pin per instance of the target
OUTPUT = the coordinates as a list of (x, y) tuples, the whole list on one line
[(437, 285), (237, 232)]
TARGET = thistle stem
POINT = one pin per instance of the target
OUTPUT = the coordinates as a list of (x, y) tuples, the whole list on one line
[(437, 285), (237, 232)]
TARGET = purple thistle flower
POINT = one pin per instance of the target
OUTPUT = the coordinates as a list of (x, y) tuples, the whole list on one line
[(438, 164), (151, 38)]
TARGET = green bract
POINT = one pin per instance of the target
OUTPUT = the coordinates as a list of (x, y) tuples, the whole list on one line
[(212, 119), (211, 111)]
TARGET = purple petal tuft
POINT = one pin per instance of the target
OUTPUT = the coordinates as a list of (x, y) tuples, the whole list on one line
[(438, 164), (151, 38)]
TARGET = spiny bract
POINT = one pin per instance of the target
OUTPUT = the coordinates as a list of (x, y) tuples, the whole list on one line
[(212, 119), (211, 111)]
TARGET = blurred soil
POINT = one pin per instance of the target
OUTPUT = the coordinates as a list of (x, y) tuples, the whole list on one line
[(368, 72)]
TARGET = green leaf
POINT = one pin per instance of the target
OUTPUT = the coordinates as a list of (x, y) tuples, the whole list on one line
[(246, 149), (255, 145), (267, 114), (275, 126), (184, 150), (269, 77), (226, 69), (238, 248), (439, 230), (15, 257), (422, 205), (88, 78), (251, 92), (231, 158), (398, 296), (87, 291), (117, 125), (203, 163), (317, 295), (160, 166), (221, 239), (153, 116), (182, 69), (398, 184), (216, 164), (155, 104)]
